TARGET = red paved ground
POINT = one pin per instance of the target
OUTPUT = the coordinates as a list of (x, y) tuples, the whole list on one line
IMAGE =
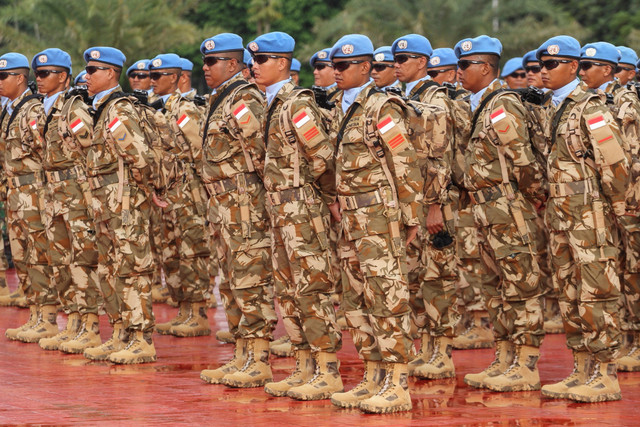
[(38, 387)]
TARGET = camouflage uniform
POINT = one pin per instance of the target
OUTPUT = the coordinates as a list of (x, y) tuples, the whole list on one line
[(233, 161), (300, 182)]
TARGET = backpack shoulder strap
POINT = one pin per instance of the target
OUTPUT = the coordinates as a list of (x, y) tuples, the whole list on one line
[(223, 95), (228, 109), (17, 108), (482, 106), (577, 149)]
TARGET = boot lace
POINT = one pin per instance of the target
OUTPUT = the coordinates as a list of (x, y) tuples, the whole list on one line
[(595, 374)]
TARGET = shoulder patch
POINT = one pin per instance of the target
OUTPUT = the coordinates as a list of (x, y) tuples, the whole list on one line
[(607, 146), (391, 133), (304, 122), (246, 120), (503, 124)]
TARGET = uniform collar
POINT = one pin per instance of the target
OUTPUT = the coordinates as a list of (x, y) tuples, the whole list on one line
[(273, 90), (49, 101), (11, 104), (187, 93), (215, 89), (101, 97), (608, 87), (562, 93), (350, 95), (411, 85), (475, 98)]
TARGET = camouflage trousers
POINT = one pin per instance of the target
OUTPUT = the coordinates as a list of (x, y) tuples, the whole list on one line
[(125, 260), (29, 244), (185, 249), (73, 254), (543, 245), (303, 278), (629, 303), (514, 302), (244, 249), (4, 263), (156, 226)]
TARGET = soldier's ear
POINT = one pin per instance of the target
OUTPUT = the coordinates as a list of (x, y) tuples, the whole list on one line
[(366, 67), (422, 62), (574, 66)]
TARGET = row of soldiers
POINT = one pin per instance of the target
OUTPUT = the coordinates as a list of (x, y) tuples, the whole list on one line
[(383, 192)]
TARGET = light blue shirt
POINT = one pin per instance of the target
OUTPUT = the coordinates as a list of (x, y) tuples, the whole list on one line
[(101, 95), (273, 90), (603, 87), (350, 95), (3, 101), (394, 84), (475, 98), (215, 90), (10, 102), (561, 94), (188, 92), (48, 101), (164, 98), (409, 86), (330, 86)]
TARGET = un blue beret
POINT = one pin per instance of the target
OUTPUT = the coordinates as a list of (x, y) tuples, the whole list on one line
[(511, 65), (562, 46), (295, 65), (224, 42), (444, 56), (352, 45), (12, 60), (80, 78), (412, 43), (165, 60), (529, 57), (383, 54), (627, 56), (600, 51), (52, 57), (320, 56), (481, 45), (186, 65), (140, 65), (276, 42), (108, 55), (246, 58)]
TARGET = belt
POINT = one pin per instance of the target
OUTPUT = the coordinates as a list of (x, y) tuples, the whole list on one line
[(26, 179), (229, 184), (564, 189), (360, 200), (284, 196), (102, 180), (65, 174), (490, 193)]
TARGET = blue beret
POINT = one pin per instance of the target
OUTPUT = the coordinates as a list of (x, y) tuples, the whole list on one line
[(12, 60), (80, 78), (186, 65), (320, 56), (529, 57), (352, 45), (481, 45), (108, 55), (165, 60), (600, 51), (140, 65), (52, 57), (383, 54), (276, 42), (444, 56), (412, 43), (563, 46), (295, 65), (511, 65), (225, 42), (246, 58), (627, 55)]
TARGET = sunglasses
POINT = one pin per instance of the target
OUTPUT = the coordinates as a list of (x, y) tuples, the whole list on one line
[(157, 74), (434, 73), (535, 69), (586, 65), (381, 67), (138, 76), (620, 69), (321, 67), (90, 69), (5, 74), (262, 58), (463, 64), (210, 61), (343, 65), (401, 59), (43, 74), (552, 64), (517, 75)]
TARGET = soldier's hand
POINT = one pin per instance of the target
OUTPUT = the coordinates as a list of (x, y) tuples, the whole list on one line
[(335, 211), (435, 222), (412, 232), (158, 201)]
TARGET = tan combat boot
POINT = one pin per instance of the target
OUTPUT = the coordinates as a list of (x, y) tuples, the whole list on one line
[(325, 382), (46, 325), (630, 362), (214, 376), (117, 342), (139, 349), (282, 347), (256, 371), (87, 337), (501, 362), (423, 355), (522, 374), (579, 375), (552, 317), (374, 374), (302, 373), (394, 395), (159, 294), (477, 335), (68, 333), (12, 333), (440, 364), (601, 386), (225, 337), (196, 324), (183, 313)]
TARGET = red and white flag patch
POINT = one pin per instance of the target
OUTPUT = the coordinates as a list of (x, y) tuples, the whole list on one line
[(241, 111), (301, 119), (115, 124), (182, 121), (77, 125), (498, 115), (596, 122), (386, 125), (34, 124)]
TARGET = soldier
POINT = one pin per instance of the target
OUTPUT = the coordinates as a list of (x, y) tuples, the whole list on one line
[(379, 191), (22, 146), (505, 185), (442, 66), (532, 68), (80, 80), (323, 73), (294, 73), (513, 74), (626, 70), (70, 231), (588, 177), (119, 165), (5, 295), (382, 71), (300, 181), (184, 82), (232, 169), (598, 63), (185, 251), (138, 75)]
